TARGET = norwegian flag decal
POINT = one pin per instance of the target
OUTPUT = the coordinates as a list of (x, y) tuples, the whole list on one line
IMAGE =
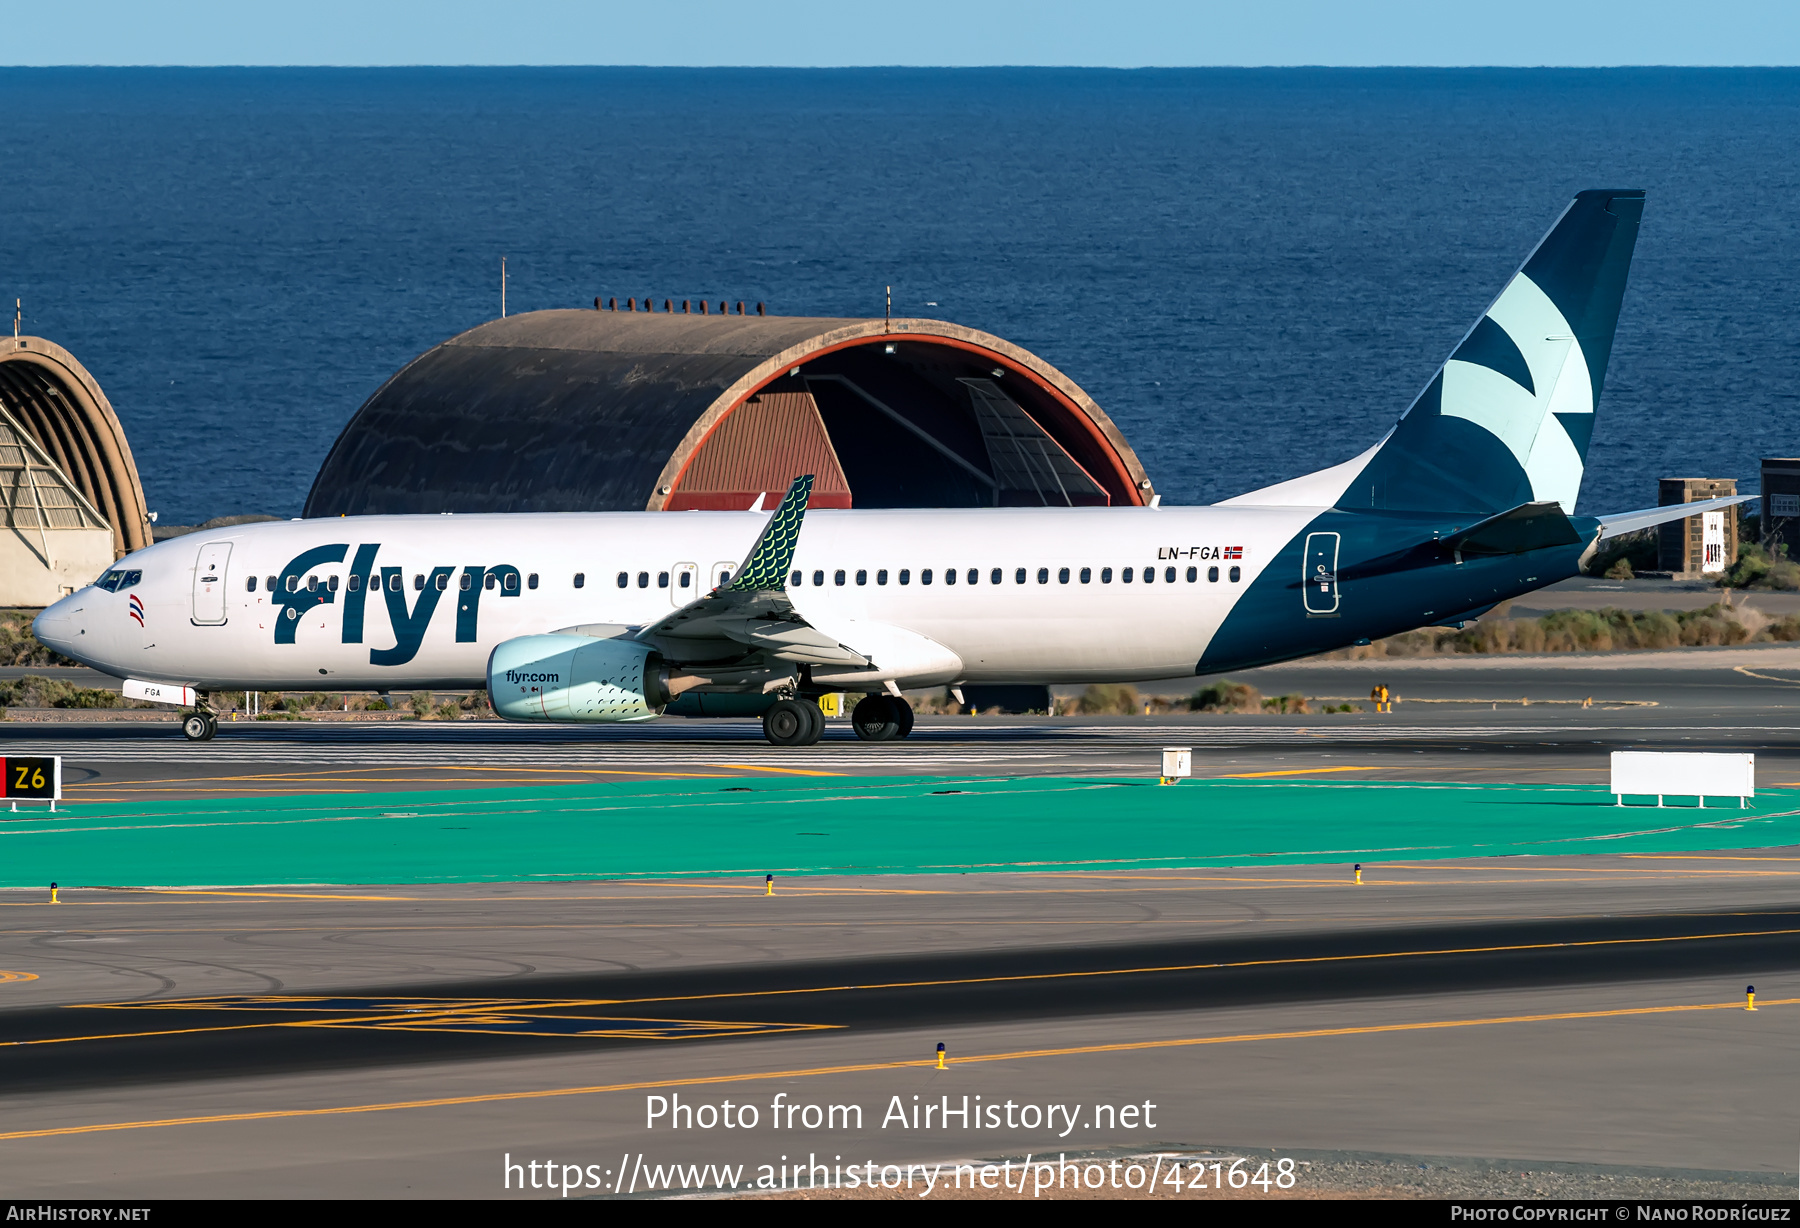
[(136, 610), (1234, 552)]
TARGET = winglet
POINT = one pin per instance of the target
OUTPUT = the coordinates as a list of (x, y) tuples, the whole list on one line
[(765, 568)]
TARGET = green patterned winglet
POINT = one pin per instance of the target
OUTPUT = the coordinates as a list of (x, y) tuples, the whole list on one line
[(766, 568)]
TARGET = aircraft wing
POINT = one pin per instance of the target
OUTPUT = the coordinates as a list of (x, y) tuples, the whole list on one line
[(751, 612)]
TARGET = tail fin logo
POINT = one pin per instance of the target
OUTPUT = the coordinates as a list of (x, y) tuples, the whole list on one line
[(1521, 375)]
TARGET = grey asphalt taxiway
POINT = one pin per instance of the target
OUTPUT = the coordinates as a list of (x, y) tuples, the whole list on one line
[(409, 1041)]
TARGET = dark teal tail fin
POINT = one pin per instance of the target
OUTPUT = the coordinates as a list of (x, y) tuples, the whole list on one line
[(1507, 419)]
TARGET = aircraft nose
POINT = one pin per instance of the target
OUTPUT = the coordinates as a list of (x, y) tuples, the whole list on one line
[(59, 626)]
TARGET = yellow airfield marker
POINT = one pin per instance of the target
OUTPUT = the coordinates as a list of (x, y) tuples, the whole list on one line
[(769, 884), (940, 1052), (1359, 874), (1749, 997)]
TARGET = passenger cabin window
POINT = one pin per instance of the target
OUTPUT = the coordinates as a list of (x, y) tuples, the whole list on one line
[(818, 579), (925, 575), (581, 579), (512, 581), (662, 579), (994, 576), (1106, 575), (862, 576), (418, 583), (467, 582), (974, 575), (643, 579), (1149, 575), (488, 581), (1212, 575), (1193, 574), (394, 583), (332, 584), (1019, 576), (949, 575), (355, 584), (1087, 575), (725, 578), (1127, 574), (443, 581), (1168, 575), (1062, 576), (838, 577), (881, 576), (1237, 573), (1043, 575), (249, 585), (793, 580), (312, 584), (687, 580), (906, 575), (624, 579), (530, 581), (274, 582), (293, 583)]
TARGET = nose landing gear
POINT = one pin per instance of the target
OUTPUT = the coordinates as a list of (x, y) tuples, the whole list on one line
[(202, 723), (882, 718), (199, 726)]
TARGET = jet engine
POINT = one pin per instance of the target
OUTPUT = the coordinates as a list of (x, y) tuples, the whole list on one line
[(576, 678)]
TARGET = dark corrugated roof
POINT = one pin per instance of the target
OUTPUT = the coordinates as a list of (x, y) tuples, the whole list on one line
[(570, 410)]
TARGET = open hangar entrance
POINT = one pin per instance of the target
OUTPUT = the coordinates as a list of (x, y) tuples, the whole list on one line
[(70, 498), (630, 411)]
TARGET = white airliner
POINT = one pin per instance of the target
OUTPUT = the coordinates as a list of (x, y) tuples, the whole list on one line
[(1467, 501)]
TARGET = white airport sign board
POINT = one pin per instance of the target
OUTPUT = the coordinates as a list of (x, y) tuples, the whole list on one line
[(1683, 774)]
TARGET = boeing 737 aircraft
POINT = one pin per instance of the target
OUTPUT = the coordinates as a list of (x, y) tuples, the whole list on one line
[(1467, 501)]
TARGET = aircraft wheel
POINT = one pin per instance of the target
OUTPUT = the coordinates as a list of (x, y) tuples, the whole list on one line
[(904, 716), (786, 723), (196, 728), (876, 719), (815, 722)]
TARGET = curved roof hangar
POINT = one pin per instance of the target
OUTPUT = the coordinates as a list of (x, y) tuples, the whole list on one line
[(575, 410)]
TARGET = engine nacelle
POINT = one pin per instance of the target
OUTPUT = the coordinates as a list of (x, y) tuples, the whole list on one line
[(575, 678)]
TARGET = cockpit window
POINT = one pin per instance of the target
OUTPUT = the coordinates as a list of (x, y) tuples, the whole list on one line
[(119, 578)]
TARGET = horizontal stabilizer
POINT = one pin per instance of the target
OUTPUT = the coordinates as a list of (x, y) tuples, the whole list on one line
[(1650, 517), (1530, 526)]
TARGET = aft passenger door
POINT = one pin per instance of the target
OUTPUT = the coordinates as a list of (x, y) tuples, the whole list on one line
[(1319, 581), (209, 584)]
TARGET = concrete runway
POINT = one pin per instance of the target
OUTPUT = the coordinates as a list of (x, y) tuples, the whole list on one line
[(1456, 719), (405, 1042), (1582, 1010)]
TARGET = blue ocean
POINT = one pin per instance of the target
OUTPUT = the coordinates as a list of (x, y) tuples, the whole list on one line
[(1252, 271)]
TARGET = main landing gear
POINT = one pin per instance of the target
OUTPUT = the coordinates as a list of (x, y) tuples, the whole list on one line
[(876, 718), (794, 722), (882, 718)]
